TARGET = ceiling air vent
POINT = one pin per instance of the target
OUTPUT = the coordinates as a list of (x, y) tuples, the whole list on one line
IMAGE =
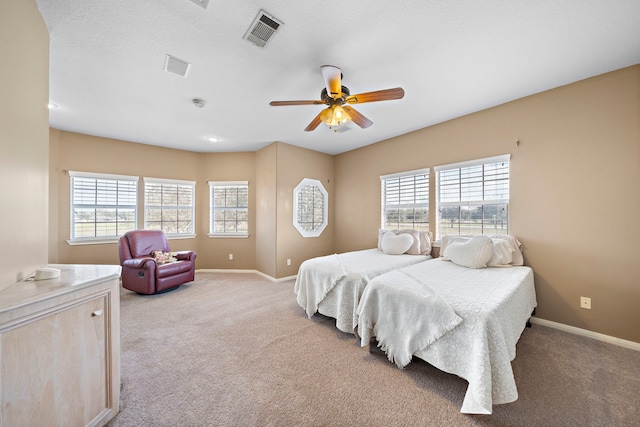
[(176, 66), (262, 29), (201, 3)]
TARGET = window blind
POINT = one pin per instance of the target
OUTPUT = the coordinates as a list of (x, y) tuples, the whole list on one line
[(169, 206), (473, 197), (229, 208), (102, 206), (405, 200)]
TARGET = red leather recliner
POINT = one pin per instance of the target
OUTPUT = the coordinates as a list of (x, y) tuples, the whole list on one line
[(141, 273)]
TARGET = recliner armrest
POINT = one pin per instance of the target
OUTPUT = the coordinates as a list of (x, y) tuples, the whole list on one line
[(138, 262), (185, 255)]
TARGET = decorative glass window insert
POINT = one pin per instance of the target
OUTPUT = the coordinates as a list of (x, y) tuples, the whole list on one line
[(103, 207), (405, 200), (310, 207), (473, 197), (229, 208), (169, 206)]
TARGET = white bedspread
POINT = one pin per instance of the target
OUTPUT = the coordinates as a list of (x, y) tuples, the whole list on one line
[(494, 304), (413, 308), (337, 281)]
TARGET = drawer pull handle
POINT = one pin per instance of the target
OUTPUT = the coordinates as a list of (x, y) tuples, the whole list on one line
[(97, 313)]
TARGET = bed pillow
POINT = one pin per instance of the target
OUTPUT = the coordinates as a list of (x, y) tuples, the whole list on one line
[(381, 233), (396, 244), (501, 254), (516, 247), (473, 253), (446, 240), (416, 247), (425, 243)]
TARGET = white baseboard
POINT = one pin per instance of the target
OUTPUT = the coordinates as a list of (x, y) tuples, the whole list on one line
[(266, 276), (273, 279), (586, 333)]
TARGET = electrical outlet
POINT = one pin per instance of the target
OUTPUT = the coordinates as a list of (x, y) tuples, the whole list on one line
[(288, 261), (230, 257), (585, 302)]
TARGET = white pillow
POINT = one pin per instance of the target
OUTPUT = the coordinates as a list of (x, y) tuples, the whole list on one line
[(381, 232), (447, 239), (501, 254), (425, 243), (473, 253), (416, 247), (393, 244), (516, 247)]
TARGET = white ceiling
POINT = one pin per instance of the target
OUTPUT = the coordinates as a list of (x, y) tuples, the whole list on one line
[(451, 57)]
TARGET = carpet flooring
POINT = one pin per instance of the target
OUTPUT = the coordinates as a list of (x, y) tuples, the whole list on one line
[(234, 349)]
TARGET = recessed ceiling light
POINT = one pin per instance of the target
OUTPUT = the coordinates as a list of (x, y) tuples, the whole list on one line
[(51, 106), (213, 139)]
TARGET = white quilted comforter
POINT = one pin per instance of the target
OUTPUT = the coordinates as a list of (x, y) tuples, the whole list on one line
[(333, 284), (493, 303)]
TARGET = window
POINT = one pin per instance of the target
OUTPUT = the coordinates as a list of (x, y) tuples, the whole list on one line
[(169, 206), (310, 207), (473, 197), (103, 207), (229, 208), (405, 200)]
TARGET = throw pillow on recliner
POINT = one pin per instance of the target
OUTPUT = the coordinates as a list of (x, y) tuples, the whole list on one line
[(163, 257)]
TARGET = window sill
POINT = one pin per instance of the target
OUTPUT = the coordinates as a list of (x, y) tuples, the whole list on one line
[(228, 236), (92, 241), (180, 236), (108, 240)]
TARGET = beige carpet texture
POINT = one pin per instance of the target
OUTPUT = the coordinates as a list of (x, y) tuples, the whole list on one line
[(235, 349)]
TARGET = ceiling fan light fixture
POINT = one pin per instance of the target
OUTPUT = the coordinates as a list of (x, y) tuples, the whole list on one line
[(334, 116)]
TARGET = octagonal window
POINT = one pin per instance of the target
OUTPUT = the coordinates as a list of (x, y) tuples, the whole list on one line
[(310, 203)]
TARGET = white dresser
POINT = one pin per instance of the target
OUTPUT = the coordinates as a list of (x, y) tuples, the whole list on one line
[(60, 348)]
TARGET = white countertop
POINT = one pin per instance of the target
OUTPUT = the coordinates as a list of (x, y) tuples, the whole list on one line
[(72, 278)]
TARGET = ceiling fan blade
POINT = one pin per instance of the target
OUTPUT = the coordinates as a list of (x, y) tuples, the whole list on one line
[(377, 95), (314, 123), (332, 80), (283, 103), (358, 118)]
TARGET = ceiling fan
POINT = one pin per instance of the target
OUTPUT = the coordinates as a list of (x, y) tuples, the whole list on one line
[(336, 96)]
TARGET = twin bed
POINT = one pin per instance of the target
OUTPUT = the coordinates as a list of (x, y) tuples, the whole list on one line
[(452, 312), (332, 285)]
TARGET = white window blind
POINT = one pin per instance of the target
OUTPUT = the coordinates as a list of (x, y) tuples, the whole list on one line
[(103, 206), (169, 206), (405, 200), (473, 197), (229, 208)]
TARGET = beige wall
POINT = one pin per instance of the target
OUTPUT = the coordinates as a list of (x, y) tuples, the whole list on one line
[(575, 198), (280, 168), (293, 165), (84, 153), (272, 238), (266, 202), (214, 252), (24, 127)]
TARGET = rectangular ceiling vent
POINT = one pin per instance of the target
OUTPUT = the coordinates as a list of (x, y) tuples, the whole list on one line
[(176, 66), (201, 3), (262, 29)]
